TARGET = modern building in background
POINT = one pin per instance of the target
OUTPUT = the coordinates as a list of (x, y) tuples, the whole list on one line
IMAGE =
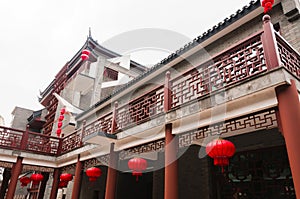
[(147, 129)]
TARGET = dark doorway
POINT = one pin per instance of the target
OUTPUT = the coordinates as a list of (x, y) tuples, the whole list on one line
[(129, 188), (258, 174)]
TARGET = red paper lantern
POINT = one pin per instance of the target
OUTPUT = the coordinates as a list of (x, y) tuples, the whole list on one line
[(93, 173), (58, 131), (61, 118), (267, 5), (62, 184), (59, 124), (220, 150), (137, 165), (66, 177), (85, 54), (25, 181), (36, 178), (62, 111)]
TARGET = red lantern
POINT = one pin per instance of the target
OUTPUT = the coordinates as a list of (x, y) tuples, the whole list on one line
[(59, 124), (93, 173), (61, 118), (25, 181), (62, 184), (137, 165), (36, 178), (85, 54), (220, 150), (58, 131), (62, 111), (66, 177), (267, 5)]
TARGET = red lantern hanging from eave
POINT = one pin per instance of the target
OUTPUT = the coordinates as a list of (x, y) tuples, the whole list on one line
[(220, 150), (137, 165), (66, 177), (36, 178), (25, 181), (62, 111), (59, 124), (267, 5), (61, 118), (85, 54), (93, 173), (58, 132)]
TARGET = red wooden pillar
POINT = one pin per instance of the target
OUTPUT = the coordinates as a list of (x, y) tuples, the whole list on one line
[(289, 112), (16, 171), (269, 42), (111, 180), (55, 182), (171, 147), (77, 179)]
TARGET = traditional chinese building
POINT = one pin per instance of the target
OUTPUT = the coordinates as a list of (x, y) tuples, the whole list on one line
[(238, 81)]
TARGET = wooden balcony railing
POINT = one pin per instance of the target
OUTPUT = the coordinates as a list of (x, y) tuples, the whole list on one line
[(244, 60), (240, 62), (289, 57), (29, 141)]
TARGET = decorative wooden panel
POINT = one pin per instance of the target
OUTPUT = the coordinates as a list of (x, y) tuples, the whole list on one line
[(102, 160), (289, 57), (234, 65), (141, 109), (72, 141), (101, 124), (257, 121)]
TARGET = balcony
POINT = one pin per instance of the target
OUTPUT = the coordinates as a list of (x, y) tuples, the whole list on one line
[(247, 61)]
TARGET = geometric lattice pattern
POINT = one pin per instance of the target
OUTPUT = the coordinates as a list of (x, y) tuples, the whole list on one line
[(288, 56), (257, 121), (233, 65)]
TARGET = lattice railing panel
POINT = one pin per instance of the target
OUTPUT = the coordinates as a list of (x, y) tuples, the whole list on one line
[(72, 141), (290, 58), (238, 63), (42, 144), (102, 124), (10, 138), (141, 109)]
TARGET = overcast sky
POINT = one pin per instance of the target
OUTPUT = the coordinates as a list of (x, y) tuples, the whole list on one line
[(38, 37)]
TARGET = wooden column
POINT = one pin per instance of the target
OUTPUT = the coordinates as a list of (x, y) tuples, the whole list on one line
[(289, 112), (269, 42), (171, 164), (111, 180), (77, 179), (16, 171), (171, 148), (55, 182), (43, 185), (4, 184)]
